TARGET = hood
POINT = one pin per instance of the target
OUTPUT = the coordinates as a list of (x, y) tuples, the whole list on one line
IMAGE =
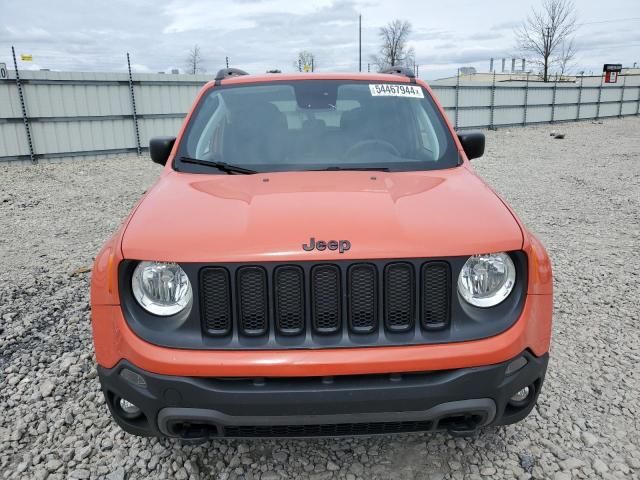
[(268, 217)]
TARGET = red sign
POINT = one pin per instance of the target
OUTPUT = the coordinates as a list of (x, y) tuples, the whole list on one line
[(610, 77), (611, 72)]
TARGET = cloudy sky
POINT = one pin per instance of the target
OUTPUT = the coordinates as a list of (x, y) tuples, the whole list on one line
[(262, 34)]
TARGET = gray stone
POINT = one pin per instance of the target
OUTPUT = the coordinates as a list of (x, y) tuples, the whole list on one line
[(332, 467), (80, 474), (117, 474), (599, 466), (589, 439), (46, 388)]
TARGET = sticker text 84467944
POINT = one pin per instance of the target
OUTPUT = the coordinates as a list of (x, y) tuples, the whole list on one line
[(395, 90)]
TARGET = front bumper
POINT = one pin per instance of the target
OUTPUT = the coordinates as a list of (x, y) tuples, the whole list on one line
[(459, 400)]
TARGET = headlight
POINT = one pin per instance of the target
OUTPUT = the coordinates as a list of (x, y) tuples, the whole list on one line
[(486, 280), (161, 288)]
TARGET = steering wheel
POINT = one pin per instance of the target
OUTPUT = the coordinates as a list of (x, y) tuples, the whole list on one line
[(370, 144)]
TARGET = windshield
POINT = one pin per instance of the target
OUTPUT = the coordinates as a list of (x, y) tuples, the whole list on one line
[(317, 125)]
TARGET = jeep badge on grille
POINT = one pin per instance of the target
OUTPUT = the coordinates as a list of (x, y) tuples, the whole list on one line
[(340, 245)]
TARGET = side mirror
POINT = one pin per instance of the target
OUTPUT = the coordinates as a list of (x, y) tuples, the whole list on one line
[(472, 143), (160, 148)]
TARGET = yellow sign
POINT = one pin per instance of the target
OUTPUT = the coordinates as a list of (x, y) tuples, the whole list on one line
[(307, 68), (26, 57)]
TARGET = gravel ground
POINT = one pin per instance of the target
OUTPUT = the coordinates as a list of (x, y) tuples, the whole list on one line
[(581, 195)]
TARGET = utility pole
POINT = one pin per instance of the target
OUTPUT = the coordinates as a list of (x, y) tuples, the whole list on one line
[(359, 43)]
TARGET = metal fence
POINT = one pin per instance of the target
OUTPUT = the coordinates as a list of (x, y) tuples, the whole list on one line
[(495, 104), (57, 114)]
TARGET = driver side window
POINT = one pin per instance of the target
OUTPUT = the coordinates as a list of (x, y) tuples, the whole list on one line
[(209, 144)]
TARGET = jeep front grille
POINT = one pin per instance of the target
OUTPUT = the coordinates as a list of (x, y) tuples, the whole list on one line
[(325, 304)]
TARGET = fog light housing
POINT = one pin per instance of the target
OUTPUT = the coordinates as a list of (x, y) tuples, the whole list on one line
[(522, 397), (519, 396), (127, 409)]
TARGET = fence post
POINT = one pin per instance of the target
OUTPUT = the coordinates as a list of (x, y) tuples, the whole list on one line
[(133, 107), (457, 98), (599, 97), (579, 97), (25, 118), (526, 100), (624, 81), (493, 101), (553, 99)]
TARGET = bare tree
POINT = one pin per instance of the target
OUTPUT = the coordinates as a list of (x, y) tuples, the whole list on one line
[(306, 62), (394, 50), (194, 61), (544, 31), (565, 57)]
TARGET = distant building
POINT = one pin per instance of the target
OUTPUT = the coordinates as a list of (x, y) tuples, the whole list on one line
[(467, 71)]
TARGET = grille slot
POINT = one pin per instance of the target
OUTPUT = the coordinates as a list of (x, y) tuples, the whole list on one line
[(399, 297), (252, 301), (326, 430), (325, 298), (216, 301), (289, 299), (436, 296), (363, 298)]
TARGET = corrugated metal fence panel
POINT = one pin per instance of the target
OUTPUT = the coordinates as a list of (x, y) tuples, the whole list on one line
[(567, 95), (446, 96), (472, 97), (538, 114), (540, 95), (155, 99), (13, 140), (157, 127), (9, 101), (82, 136), (588, 111), (509, 96), (507, 116), (84, 114), (609, 110), (477, 117), (565, 112)]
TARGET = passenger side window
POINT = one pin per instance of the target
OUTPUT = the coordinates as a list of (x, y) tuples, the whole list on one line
[(428, 135)]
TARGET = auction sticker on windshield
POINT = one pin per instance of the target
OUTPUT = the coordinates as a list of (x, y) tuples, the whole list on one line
[(392, 90)]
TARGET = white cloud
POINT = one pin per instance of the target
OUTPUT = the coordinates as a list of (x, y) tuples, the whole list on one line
[(262, 34)]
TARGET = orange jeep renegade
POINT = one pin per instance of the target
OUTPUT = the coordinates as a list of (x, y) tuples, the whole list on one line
[(318, 258)]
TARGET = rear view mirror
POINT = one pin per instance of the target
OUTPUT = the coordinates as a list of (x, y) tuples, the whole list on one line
[(160, 149), (472, 143)]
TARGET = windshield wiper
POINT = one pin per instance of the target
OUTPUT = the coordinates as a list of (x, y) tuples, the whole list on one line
[(225, 167), (337, 169)]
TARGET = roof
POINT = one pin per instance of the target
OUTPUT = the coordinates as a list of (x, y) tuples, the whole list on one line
[(276, 77)]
